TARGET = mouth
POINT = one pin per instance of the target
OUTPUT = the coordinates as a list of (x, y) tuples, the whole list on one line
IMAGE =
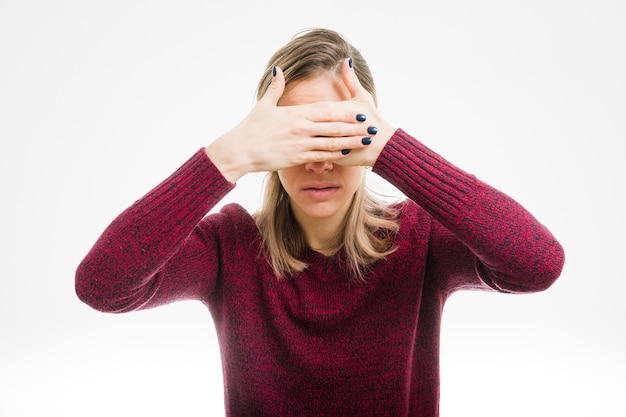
[(330, 187), (320, 186), (321, 191)]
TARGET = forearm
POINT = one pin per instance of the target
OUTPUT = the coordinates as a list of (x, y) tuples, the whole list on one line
[(518, 252), (131, 250)]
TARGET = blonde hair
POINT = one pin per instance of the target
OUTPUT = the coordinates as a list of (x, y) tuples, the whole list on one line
[(369, 224)]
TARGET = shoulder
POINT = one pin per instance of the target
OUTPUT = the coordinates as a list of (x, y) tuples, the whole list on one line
[(234, 233), (414, 226), (230, 219), (416, 223), (412, 216)]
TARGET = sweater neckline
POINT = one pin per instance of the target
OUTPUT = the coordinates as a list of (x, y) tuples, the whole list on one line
[(325, 268)]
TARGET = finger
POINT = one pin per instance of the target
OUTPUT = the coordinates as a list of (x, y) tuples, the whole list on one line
[(275, 89), (341, 129), (323, 156), (332, 111), (351, 80), (335, 144)]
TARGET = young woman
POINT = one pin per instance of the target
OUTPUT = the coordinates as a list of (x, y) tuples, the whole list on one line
[(326, 301)]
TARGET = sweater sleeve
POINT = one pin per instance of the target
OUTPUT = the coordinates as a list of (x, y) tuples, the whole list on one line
[(122, 271), (510, 250)]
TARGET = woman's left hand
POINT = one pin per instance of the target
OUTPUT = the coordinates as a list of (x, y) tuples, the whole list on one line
[(366, 156)]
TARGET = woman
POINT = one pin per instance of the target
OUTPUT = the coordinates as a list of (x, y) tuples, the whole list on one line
[(326, 302)]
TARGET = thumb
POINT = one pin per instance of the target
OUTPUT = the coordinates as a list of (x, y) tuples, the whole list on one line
[(275, 89), (351, 80)]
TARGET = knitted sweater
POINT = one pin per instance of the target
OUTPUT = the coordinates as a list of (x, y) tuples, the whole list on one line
[(320, 344)]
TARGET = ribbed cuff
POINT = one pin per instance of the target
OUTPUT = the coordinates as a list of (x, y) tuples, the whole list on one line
[(423, 175), (185, 197)]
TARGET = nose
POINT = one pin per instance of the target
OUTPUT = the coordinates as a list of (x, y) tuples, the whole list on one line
[(319, 167)]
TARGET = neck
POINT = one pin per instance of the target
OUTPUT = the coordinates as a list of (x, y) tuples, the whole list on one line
[(321, 234)]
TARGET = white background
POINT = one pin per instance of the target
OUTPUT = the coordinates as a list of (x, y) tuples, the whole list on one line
[(101, 100)]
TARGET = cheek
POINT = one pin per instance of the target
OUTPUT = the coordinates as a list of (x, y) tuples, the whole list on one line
[(286, 177), (354, 176)]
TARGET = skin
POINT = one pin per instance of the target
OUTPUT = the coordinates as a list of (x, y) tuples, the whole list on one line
[(299, 131), (320, 193)]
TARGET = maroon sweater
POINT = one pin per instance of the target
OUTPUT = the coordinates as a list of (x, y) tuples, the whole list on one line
[(320, 344)]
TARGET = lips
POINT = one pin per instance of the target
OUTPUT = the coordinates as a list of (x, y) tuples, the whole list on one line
[(320, 186), (320, 191)]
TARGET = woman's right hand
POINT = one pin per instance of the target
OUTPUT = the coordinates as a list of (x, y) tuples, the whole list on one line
[(273, 137)]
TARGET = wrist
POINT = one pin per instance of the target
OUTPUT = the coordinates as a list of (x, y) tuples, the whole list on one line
[(226, 161), (380, 141)]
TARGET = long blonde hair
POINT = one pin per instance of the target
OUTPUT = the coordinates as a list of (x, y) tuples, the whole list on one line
[(368, 227)]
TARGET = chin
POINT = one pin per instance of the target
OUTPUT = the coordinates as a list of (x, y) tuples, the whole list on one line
[(321, 211)]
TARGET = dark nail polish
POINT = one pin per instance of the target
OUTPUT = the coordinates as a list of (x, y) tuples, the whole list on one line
[(274, 71), (366, 141), (361, 117), (372, 130), (345, 151), (350, 63)]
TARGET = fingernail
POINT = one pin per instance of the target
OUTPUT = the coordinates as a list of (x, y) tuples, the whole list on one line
[(372, 130), (350, 63), (361, 117), (345, 151), (366, 141), (274, 71)]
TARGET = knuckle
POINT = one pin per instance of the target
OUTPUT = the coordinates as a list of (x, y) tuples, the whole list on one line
[(317, 156), (298, 129), (325, 115), (331, 144)]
